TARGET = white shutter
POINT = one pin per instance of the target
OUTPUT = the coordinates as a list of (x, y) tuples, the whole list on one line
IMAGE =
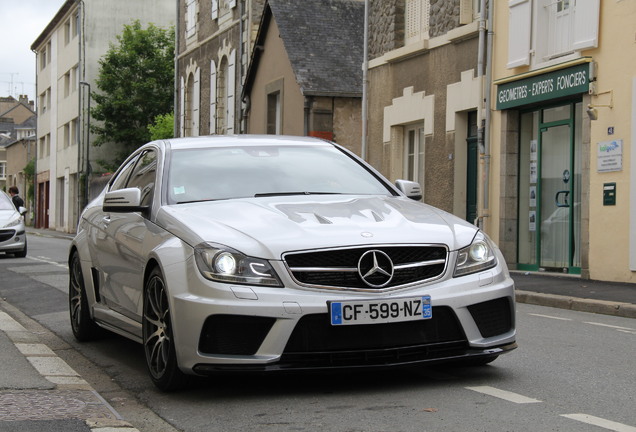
[(215, 9), (232, 3), (519, 25), (182, 108), (196, 100), (191, 18), (231, 89), (212, 97), (586, 18)]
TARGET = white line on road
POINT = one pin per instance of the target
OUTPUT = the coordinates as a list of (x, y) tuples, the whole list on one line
[(610, 326), (48, 261), (551, 317), (503, 394), (600, 422)]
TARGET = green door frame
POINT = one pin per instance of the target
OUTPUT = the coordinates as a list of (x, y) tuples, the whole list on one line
[(542, 127)]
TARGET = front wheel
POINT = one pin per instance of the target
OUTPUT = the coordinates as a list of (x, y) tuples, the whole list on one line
[(159, 348), (84, 328), (23, 252)]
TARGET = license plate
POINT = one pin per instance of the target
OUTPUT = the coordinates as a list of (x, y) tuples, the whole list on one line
[(380, 310)]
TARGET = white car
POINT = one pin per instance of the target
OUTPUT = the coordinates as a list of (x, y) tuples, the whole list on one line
[(269, 253), (13, 238)]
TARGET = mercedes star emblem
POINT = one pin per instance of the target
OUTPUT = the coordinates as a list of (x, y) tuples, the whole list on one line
[(375, 268)]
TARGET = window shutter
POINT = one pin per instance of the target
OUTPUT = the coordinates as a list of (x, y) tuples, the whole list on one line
[(215, 9), (519, 25), (212, 97), (466, 11), (586, 18), (232, 3), (191, 18), (196, 100), (231, 89), (182, 108)]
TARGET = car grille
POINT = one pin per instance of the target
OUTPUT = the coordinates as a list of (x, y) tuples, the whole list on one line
[(6, 234), (493, 317), (338, 268), (316, 343)]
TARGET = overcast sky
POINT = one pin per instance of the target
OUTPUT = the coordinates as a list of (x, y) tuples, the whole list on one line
[(22, 22)]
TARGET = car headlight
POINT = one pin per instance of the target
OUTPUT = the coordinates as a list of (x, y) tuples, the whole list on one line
[(478, 256), (13, 222), (223, 264)]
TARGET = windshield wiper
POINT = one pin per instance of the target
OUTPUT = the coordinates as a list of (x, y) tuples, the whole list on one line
[(270, 194), (196, 201)]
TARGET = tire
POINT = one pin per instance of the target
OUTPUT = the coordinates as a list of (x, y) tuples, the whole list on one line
[(23, 252), (83, 326), (159, 347)]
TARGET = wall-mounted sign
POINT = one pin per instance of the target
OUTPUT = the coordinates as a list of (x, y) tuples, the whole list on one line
[(538, 88), (609, 156)]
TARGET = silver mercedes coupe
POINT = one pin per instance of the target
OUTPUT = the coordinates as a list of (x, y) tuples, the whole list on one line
[(269, 253)]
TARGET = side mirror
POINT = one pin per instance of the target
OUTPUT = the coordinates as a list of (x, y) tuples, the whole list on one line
[(22, 210), (411, 189), (123, 201)]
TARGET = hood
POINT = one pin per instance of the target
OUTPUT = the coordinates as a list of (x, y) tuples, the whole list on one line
[(268, 227), (6, 216)]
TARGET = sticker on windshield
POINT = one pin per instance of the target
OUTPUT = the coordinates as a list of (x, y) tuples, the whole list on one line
[(178, 190)]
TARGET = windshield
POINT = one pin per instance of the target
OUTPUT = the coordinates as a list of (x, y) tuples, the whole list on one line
[(239, 172)]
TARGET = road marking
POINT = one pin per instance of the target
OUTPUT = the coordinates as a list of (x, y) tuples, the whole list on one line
[(610, 326), (48, 261), (551, 317), (502, 394), (600, 422), (627, 331)]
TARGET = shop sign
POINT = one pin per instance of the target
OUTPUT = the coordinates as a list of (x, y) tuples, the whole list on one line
[(539, 88), (609, 156)]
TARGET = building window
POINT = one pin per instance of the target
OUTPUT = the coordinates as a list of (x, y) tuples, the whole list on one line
[(274, 125), (221, 97), (3, 170), (43, 103), (416, 24), (542, 31), (67, 32), (222, 7), (43, 58), (67, 84), (75, 131), (414, 153), (191, 104), (76, 24)]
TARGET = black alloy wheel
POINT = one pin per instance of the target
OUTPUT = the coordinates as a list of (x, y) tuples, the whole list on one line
[(159, 348)]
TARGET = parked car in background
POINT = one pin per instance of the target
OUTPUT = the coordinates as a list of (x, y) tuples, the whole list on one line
[(12, 231), (270, 253)]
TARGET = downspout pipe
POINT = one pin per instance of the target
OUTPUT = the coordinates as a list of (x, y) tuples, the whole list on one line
[(176, 71), (365, 90), (488, 112), (481, 53)]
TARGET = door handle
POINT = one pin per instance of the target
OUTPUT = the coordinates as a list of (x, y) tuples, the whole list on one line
[(566, 194)]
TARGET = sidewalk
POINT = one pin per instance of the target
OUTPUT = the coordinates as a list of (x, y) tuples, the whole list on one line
[(572, 292), (39, 391)]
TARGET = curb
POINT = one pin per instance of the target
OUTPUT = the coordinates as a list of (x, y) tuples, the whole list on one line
[(625, 310)]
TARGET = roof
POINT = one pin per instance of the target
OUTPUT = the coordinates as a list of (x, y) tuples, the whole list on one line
[(324, 42)]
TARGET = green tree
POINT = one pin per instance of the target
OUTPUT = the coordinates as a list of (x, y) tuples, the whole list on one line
[(163, 127), (136, 84)]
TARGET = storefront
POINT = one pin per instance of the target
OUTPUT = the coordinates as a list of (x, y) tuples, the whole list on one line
[(544, 109)]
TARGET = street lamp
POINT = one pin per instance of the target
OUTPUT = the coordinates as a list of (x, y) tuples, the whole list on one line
[(87, 166)]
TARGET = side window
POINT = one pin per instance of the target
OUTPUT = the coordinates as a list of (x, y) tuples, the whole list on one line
[(119, 182), (143, 176)]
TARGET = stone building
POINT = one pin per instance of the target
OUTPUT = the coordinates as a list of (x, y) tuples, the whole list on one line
[(424, 94)]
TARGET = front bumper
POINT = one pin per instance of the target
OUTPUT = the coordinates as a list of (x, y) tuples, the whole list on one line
[(12, 239), (222, 328)]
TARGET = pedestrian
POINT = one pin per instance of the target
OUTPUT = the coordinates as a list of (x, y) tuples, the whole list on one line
[(17, 201)]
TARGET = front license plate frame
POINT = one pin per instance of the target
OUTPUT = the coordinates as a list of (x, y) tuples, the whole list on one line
[(379, 311)]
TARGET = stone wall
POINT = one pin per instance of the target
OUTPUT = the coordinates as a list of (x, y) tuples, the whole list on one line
[(386, 26), (444, 16)]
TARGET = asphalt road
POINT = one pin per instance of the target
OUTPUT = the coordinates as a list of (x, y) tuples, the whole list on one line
[(573, 371)]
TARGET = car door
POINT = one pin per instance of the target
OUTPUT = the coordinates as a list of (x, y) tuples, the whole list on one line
[(120, 253)]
